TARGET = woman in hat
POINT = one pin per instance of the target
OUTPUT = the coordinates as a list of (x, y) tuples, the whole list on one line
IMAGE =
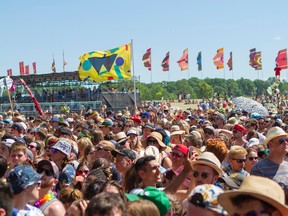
[(176, 135), (155, 139)]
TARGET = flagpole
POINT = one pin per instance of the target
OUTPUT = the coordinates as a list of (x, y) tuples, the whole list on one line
[(63, 61), (151, 65), (132, 58)]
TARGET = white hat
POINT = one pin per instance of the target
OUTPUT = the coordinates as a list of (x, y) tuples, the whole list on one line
[(252, 142), (273, 133)]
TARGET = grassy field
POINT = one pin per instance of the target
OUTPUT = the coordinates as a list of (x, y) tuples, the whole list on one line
[(183, 105)]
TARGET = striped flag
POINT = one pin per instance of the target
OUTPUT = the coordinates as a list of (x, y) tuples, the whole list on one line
[(218, 59), (146, 59), (183, 61), (165, 62)]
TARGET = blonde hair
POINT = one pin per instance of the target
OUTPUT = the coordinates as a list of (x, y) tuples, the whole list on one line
[(108, 144), (82, 143), (68, 195), (236, 150)]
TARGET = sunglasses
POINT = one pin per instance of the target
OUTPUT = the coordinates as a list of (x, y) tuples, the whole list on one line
[(153, 141), (208, 132), (282, 140), (53, 150), (31, 146), (176, 155), (204, 175), (239, 160), (80, 172), (235, 131), (48, 172), (253, 158)]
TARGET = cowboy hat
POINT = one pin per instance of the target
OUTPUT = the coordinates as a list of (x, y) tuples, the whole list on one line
[(208, 159), (273, 133), (261, 188)]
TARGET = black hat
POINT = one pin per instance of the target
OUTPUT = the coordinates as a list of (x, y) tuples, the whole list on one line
[(125, 152)]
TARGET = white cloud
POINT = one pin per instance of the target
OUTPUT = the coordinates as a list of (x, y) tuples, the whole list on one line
[(277, 38)]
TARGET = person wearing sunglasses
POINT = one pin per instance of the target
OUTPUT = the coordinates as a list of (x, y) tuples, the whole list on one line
[(236, 158), (257, 196), (206, 169), (209, 133), (238, 133), (48, 203), (274, 165), (252, 158), (82, 172)]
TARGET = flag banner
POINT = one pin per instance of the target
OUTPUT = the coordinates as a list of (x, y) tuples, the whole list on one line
[(36, 103), (34, 67), (53, 67), (165, 62), (9, 72), (146, 59), (281, 59), (218, 59), (252, 61), (21, 67), (27, 70), (183, 61), (230, 62), (258, 60), (199, 61), (101, 66)]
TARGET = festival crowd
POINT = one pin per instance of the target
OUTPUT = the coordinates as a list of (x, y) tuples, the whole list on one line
[(156, 160)]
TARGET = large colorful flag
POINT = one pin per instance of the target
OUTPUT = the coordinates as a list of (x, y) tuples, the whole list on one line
[(34, 67), (146, 59), (258, 60), (100, 66), (199, 61), (9, 72), (281, 59), (218, 59), (230, 62), (252, 61), (53, 67), (21, 67), (183, 61), (165, 63), (27, 70)]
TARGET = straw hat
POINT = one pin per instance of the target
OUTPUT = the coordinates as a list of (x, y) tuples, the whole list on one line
[(273, 133), (261, 188), (158, 137), (175, 129), (208, 159), (120, 137)]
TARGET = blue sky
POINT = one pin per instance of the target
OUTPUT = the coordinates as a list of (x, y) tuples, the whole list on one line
[(34, 30)]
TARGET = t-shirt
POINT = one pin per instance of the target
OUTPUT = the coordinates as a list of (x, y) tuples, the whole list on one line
[(271, 170), (28, 211)]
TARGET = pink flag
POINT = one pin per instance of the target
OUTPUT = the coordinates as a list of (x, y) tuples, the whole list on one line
[(21, 66), (27, 70), (34, 67)]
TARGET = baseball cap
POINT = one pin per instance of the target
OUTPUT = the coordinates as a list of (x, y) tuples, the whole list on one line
[(158, 197), (8, 142), (106, 123), (125, 152), (182, 148), (52, 165), (63, 146)]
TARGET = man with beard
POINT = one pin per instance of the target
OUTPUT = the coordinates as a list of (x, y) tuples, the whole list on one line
[(48, 203)]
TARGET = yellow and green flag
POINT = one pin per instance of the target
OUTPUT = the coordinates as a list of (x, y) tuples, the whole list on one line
[(101, 66)]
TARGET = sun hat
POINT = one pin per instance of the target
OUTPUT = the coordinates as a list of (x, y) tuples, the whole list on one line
[(52, 165), (252, 142), (8, 142), (182, 148), (158, 197), (208, 159), (206, 196), (234, 180), (273, 133), (120, 137), (131, 131), (131, 154), (158, 137), (239, 128), (21, 177), (63, 146), (210, 128), (261, 188), (175, 129)]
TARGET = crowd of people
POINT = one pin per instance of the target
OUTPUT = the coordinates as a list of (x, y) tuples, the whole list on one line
[(159, 160)]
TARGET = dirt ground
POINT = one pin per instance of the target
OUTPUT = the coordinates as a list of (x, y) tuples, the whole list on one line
[(183, 105)]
